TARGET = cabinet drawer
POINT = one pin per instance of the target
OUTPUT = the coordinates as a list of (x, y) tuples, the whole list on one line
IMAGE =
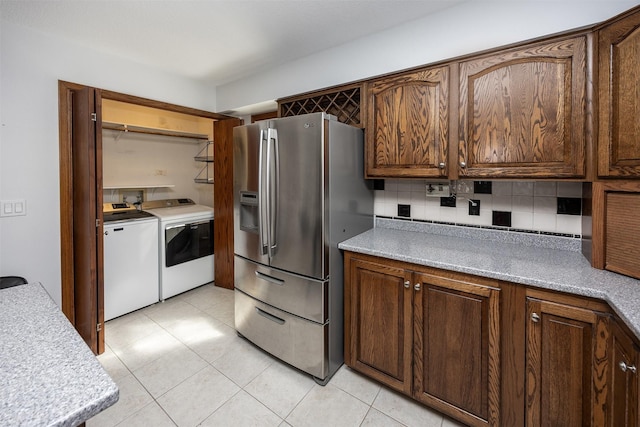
[(294, 294), (297, 341)]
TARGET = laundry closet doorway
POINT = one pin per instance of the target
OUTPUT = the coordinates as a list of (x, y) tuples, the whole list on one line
[(81, 197)]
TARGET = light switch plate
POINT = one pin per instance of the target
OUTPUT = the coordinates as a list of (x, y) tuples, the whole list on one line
[(13, 208)]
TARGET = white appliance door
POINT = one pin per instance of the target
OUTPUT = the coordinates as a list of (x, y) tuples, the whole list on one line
[(130, 267)]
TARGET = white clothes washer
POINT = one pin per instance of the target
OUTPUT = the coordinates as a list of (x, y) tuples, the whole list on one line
[(185, 243), (130, 259)]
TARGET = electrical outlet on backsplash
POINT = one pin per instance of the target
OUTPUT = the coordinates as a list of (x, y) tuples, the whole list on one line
[(550, 207)]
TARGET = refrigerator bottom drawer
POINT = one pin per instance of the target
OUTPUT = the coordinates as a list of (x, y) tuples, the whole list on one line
[(298, 295), (294, 340)]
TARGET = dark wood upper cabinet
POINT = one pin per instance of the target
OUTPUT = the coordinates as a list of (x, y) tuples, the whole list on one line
[(407, 124), (619, 98), (522, 112)]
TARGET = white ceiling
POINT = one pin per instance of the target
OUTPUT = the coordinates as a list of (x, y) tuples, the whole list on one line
[(214, 40)]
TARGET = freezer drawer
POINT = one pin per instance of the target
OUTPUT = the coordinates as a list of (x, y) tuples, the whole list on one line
[(297, 341), (295, 294)]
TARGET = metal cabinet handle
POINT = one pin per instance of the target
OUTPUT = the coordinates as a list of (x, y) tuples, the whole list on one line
[(270, 316), (416, 286), (624, 367), (407, 284), (463, 164), (535, 318), (441, 165)]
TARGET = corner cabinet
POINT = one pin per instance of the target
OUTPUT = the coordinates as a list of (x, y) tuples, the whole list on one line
[(430, 334), (619, 100), (522, 112), (407, 123)]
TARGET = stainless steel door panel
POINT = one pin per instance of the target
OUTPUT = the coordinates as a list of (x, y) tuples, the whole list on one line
[(294, 294), (292, 339), (246, 192), (299, 240)]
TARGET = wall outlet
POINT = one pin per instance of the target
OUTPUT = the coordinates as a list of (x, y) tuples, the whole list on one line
[(437, 189)]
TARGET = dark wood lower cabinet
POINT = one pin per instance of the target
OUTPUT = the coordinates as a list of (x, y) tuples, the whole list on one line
[(380, 323), (456, 347), (428, 333), (486, 352), (560, 346), (623, 379)]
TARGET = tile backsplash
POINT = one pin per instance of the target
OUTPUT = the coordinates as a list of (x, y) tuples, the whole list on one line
[(549, 207)]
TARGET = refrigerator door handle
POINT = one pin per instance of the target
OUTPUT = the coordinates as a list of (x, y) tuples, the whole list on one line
[(276, 194), (262, 195), (272, 189)]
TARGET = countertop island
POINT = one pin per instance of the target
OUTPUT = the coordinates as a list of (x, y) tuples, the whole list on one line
[(547, 262), (48, 374)]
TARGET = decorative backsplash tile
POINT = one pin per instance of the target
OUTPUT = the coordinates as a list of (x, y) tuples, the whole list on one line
[(548, 207)]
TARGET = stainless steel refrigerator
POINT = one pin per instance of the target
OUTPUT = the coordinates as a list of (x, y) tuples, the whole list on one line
[(299, 190)]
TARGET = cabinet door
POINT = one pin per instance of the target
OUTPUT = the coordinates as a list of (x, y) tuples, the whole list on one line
[(623, 379), (560, 347), (522, 112), (407, 125), (378, 323), (457, 348), (619, 98)]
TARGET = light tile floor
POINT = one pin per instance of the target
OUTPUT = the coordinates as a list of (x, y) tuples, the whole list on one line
[(181, 363)]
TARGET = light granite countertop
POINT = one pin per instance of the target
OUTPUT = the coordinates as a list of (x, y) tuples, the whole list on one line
[(546, 262), (48, 375)]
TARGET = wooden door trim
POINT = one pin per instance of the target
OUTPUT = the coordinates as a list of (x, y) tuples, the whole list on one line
[(146, 102), (77, 212), (66, 193), (223, 202)]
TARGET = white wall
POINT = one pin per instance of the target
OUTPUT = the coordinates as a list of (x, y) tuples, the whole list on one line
[(466, 28), (31, 64), (130, 159)]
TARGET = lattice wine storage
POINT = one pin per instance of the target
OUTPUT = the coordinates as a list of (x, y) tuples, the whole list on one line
[(343, 102)]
